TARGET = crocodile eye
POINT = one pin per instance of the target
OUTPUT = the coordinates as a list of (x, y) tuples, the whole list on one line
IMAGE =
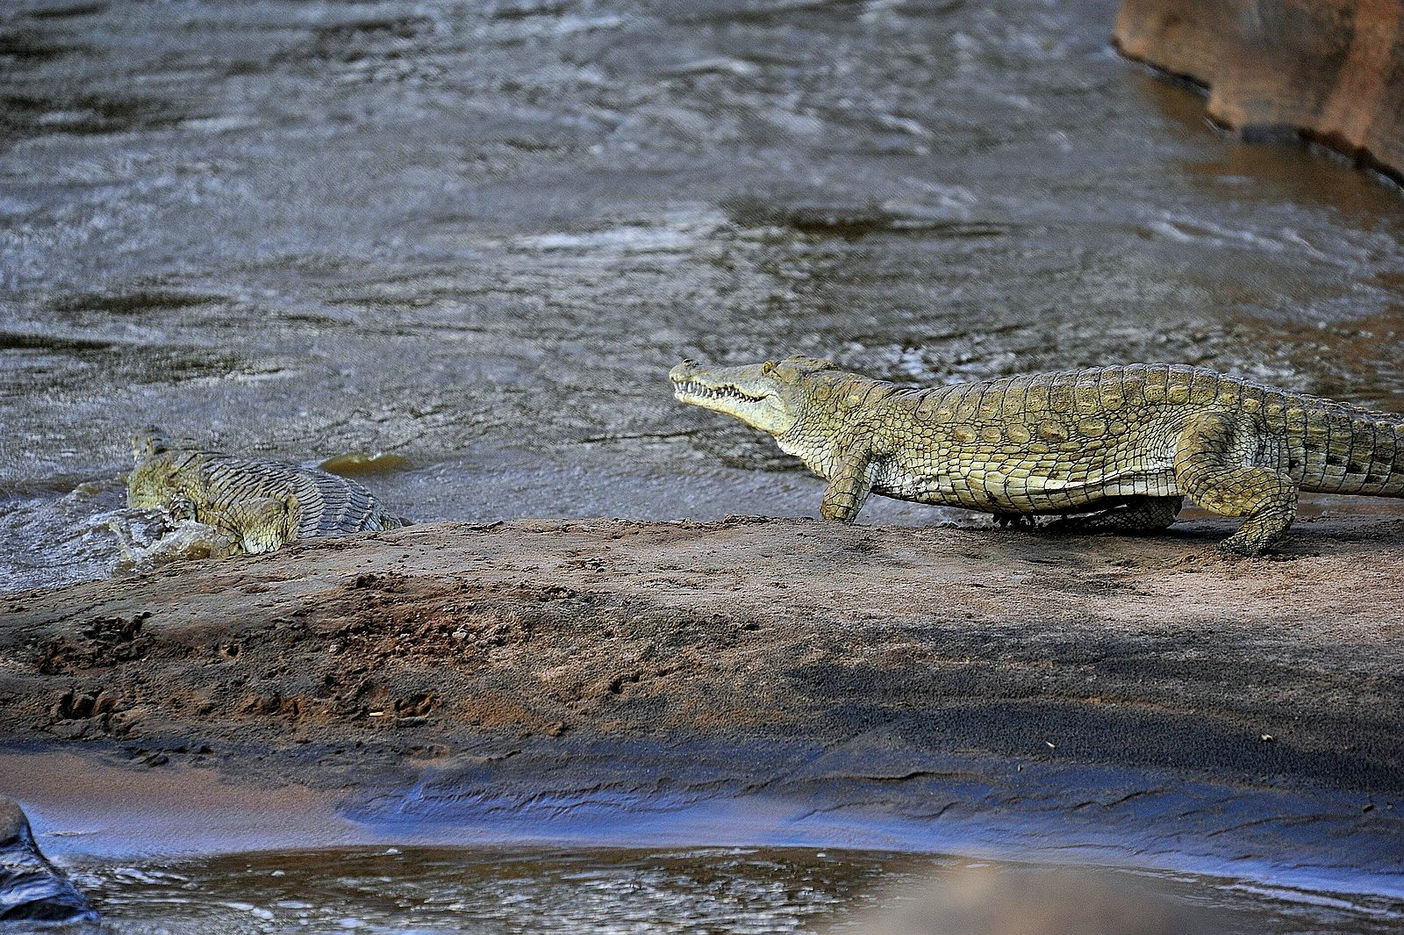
[(768, 368)]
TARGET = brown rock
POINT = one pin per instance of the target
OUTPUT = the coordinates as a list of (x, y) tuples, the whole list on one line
[(1330, 70)]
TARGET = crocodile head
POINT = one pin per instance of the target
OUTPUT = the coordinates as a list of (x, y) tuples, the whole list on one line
[(149, 441), (771, 396), (150, 482)]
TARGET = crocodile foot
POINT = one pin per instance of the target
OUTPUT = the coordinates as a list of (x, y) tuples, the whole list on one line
[(1248, 547)]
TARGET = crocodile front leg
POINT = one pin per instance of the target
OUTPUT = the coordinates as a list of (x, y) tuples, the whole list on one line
[(181, 507), (1209, 468), (849, 486), (1142, 514)]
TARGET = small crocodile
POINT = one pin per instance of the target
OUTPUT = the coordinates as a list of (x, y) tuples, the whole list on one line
[(1124, 445), (260, 505)]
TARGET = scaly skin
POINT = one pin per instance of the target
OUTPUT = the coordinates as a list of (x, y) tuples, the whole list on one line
[(260, 505), (1123, 445)]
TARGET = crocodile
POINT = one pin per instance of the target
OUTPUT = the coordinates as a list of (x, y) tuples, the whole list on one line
[(260, 505), (1114, 449)]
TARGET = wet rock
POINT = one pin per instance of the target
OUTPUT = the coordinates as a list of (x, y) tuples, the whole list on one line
[(31, 888), (821, 215), (1331, 70)]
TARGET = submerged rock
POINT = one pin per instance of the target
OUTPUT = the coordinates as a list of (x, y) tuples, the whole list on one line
[(31, 888), (1329, 70)]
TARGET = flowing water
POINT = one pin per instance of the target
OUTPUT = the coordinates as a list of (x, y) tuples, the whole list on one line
[(694, 890), (475, 236)]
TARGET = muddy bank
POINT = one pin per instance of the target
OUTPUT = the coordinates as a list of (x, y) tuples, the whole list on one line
[(1332, 70), (779, 682)]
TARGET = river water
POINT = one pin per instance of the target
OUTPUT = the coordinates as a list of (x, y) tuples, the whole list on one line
[(476, 235), (742, 891)]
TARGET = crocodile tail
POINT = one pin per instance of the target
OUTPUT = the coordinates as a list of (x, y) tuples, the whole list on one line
[(391, 521), (1390, 431), (1360, 452)]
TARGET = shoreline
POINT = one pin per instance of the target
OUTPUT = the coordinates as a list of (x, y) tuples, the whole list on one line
[(1011, 694), (225, 819), (1324, 72)]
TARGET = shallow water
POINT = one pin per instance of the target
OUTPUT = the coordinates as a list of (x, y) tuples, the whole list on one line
[(715, 890), (477, 235)]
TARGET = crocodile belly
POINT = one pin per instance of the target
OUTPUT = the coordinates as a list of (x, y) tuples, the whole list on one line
[(1012, 485)]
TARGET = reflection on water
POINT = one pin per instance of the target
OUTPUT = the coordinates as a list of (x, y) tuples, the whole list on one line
[(476, 236), (731, 890)]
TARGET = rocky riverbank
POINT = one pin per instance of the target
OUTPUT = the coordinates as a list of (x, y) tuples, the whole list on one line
[(781, 681)]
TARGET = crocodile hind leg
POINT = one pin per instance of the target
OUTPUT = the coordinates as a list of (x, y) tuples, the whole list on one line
[(259, 524), (1210, 468), (1141, 514)]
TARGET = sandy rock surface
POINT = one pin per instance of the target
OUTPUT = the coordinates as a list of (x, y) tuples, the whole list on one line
[(777, 681)]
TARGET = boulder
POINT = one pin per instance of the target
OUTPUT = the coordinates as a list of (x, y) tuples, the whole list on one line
[(1329, 70)]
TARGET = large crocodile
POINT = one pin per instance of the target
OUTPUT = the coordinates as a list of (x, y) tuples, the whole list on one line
[(260, 505), (1123, 445)]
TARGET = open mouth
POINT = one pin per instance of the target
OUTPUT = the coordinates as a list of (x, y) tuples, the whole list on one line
[(702, 391)]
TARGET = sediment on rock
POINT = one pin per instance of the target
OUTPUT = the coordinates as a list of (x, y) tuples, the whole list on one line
[(558, 678), (1330, 70)]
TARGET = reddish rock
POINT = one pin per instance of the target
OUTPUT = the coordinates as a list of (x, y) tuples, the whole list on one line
[(1332, 70)]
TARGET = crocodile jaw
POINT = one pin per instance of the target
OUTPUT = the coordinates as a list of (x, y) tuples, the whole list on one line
[(748, 393)]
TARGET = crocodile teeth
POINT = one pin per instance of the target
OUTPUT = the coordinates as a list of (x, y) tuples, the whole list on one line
[(693, 388)]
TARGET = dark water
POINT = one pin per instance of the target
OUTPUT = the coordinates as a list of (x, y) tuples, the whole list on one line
[(477, 235), (696, 890)]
